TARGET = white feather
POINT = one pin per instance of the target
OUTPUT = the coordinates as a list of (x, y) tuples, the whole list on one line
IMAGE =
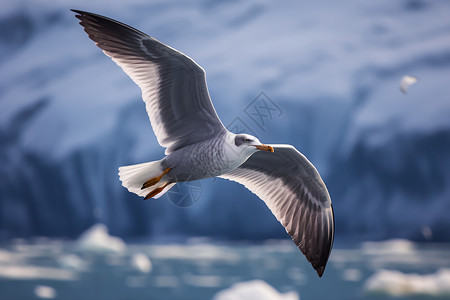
[(134, 176)]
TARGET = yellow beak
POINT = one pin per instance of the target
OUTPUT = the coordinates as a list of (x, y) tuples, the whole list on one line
[(264, 147)]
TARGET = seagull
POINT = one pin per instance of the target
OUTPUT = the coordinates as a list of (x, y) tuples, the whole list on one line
[(406, 82), (198, 146)]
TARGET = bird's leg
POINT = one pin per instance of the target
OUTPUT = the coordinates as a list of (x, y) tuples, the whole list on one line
[(154, 180), (156, 191)]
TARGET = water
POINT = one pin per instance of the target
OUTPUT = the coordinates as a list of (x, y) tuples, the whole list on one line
[(62, 270)]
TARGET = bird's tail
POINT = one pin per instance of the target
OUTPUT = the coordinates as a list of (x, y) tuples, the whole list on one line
[(133, 178)]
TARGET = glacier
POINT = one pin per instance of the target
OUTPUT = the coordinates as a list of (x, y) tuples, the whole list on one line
[(69, 117)]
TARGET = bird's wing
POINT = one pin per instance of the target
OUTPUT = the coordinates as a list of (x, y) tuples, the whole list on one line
[(173, 85), (293, 190)]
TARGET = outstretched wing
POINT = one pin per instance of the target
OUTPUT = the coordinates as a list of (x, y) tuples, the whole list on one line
[(173, 85), (293, 190)]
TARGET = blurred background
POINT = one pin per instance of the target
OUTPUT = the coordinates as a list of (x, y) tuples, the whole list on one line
[(322, 76)]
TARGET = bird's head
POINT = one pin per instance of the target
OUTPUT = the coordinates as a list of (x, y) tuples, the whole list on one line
[(247, 142)]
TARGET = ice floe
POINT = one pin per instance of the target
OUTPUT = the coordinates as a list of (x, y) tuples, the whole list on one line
[(46, 292), (396, 283), (141, 262), (5, 256), (198, 252), (255, 289), (35, 272), (72, 261), (394, 246), (97, 239)]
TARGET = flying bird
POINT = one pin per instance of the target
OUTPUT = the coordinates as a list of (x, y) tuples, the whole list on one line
[(406, 82), (198, 146)]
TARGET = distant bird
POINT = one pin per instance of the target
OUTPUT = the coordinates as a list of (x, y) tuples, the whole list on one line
[(406, 82), (199, 146)]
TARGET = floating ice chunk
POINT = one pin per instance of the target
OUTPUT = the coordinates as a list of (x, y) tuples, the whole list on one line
[(141, 262), (43, 291), (34, 272), (396, 283), (97, 239), (394, 246), (255, 289), (5, 256), (72, 261), (197, 252), (20, 245), (406, 82)]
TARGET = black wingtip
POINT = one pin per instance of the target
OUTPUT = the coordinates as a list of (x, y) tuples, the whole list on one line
[(320, 271), (80, 12)]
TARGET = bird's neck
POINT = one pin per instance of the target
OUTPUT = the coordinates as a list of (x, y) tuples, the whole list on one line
[(234, 156)]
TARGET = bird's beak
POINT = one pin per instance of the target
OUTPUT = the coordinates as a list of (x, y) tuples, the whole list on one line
[(264, 147)]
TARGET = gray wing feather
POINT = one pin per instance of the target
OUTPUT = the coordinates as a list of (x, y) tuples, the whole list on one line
[(293, 190), (173, 85)]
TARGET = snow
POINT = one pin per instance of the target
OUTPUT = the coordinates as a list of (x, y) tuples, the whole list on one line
[(423, 109), (255, 289), (97, 239), (396, 283)]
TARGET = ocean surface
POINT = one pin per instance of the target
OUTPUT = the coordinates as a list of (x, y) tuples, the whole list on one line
[(328, 71), (199, 269)]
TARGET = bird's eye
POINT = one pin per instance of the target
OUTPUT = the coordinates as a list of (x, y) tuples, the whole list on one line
[(247, 140)]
